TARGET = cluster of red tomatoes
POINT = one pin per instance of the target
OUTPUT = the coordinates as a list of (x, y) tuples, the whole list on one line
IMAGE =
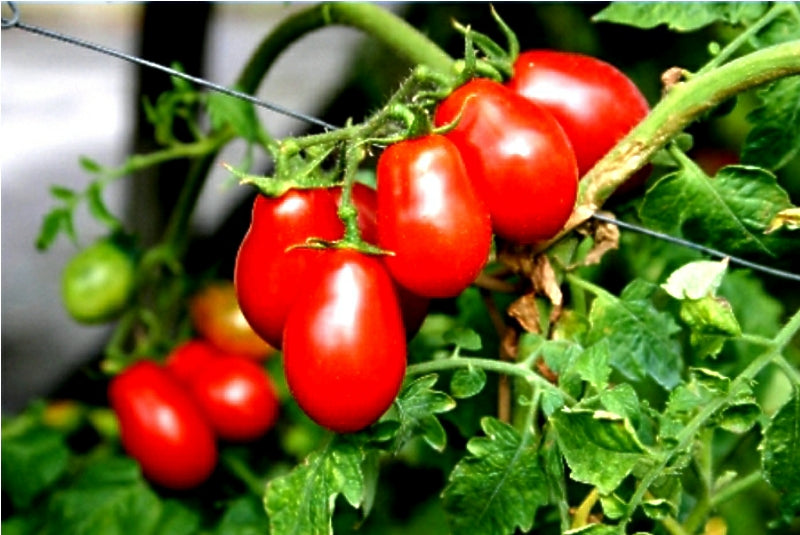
[(209, 387), (509, 167)]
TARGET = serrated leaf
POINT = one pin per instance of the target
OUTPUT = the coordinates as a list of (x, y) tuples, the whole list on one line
[(696, 280), (239, 114), (467, 382), (622, 400), (417, 406), (302, 501), (601, 448), (740, 417), (680, 16), (98, 209), (463, 337), (110, 497), (593, 366), (498, 486), (780, 455), (31, 463), (712, 322), (729, 212), (640, 337), (775, 137)]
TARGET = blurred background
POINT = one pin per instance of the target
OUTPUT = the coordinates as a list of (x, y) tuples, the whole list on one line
[(58, 102)]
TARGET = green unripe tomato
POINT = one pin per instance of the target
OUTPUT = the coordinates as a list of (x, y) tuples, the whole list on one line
[(97, 283)]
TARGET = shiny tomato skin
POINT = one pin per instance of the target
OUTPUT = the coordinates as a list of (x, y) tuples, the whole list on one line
[(430, 217), (161, 427), (188, 359), (268, 276), (237, 397), (344, 343), (517, 157), (594, 102), (217, 317)]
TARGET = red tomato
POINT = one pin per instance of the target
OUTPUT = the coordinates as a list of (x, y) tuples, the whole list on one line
[(161, 427), (595, 104), (431, 218), (268, 277), (237, 397), (216, 316), (187, 360), (517, 157), (344, 343)]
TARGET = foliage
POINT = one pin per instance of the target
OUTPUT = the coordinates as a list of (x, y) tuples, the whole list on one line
[(592, 384)]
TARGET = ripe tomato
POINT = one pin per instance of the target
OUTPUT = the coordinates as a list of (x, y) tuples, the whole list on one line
[(517, 157), (216, 316), (187, 360), (431, 218), (268, 276), (161, 427), (344, 343), (237, 397), (98, 282), (595, 104)]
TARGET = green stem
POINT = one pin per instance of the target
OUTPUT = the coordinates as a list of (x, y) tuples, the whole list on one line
[(688, 433), (498, 366), (776, 11), (789, 370), (703, 508), (241, 470), (684, 103)]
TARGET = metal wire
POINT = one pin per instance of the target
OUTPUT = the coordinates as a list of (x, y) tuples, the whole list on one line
[(14, 22)]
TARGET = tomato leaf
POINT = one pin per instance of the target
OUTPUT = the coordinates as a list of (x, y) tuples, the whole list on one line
[(696, 280), (244, 516), (54, 223), (592, 365), (775, 138), (417, 407), (780, 456), (98, 209), (729, 212), (680, 16), (641, 337), (31, 463), (178, 519), (110, 497), (302, 501), (600, 447), (498, 486), (467, 382), (239, 114)]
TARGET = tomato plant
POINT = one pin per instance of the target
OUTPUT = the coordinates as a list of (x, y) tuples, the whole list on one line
[(97, 283), (593, 101), (161, 427), (596, 373), (429, 213), (345, 350), (517, 156)]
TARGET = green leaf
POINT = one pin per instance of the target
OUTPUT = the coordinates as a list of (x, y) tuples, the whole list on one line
[(592, 365), (89, 165), (31, 463), (785, 27), (680, 16), (596, 529), (245, 516), (729, 212), (110, 497), (463, 337), (623, 401), (498, 486), (712, 322), (239, 114), (66, 195), (775, 138), (740, 417), (178, 519), (696, 280), (302, 501), (467, 382), (601, 448), (780, 455), (417, 406), (54, 223), (640, 337), (98, 209)]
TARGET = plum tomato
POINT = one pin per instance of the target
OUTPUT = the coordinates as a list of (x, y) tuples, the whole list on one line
[(97, 283), (161, 427), (236, 396), (344, 343), (517, 156), (269, 274), (188, 359), (594, 102), (216, 316), (430, 217)]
